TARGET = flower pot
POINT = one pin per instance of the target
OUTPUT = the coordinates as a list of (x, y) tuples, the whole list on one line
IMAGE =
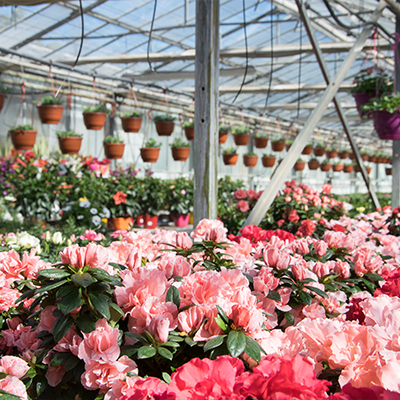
[(250, 161), (387, 125), (119, 223), (23, 140), (150, 221), (94, 120), (313, 165), (2, 98), (368, 170), (189, 133), (319, 151), (307, 150), (348, 168), (388, 171), (150, 154), (343, 154), (331, 154), (372, 159), (70, 145), (131, 124), (364, 157), (278, 146), (165, 128), (139, 220), (299, 165), (50, 113), (380, 160), (326, 167), (268, 162), (230, 159), (362, 99), (222, 137), (114, 151), (358, 169), (338, 167), (181, 220), (180, 153), (288, 146), (241, 139), (260, 142), (352, 156)]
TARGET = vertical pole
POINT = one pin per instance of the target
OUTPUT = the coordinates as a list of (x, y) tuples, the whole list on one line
[(206, 110), (396, 143)]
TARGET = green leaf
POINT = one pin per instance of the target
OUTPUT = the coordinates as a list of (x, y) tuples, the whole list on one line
[(189, 341), (54, 273), (222, 314), (317, 291), (59, 358), (289, 318), (370, 286), (2, 375), (61, 326), (214, 342), (163, 352), (116, 308), (100, 303), (86, 323), (374, 277), (166, 377), (173, 296), (173, 344), (71, 363), (304, 297), (273, 295), (136, 337), (83, 280), (117, 266), (220, 322), (51, 286), (41, 385), (71, 301), (236, 343), (146, 352), (253, 349), (27, 294)]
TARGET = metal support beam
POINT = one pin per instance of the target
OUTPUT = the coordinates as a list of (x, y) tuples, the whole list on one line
[(288, 162), (205, 147), (339, 109)]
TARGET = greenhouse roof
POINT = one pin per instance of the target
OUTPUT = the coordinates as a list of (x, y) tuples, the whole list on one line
[(116, 37)]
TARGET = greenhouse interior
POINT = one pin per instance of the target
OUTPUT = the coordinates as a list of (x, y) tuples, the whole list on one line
[(199, 199)]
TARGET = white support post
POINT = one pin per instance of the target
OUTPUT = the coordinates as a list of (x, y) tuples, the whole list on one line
[(205, 149), (288, 162)]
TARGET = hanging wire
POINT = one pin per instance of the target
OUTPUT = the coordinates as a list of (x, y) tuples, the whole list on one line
[(300, 60), (247, 52), (272, 60), (150, 35)]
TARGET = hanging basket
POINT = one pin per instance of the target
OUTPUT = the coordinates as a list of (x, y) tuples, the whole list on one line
[(326, 167), (388, 171), (131, 124), (352, 156), (241, 139), (268, 162), (250, 161), (361, 99), (348, 169), (338, 167), (331, 154), (94, 120), (260, 142), (114, 151), (230, 159), (150, 154), (358, 169), (165, 128), (50, 113), (387, 125), (278, 146), (70, 145), (23, 140), (313, 165), (343, 154), (319, 151), (307, 150), (189, 133), (180, 153), (222, 137), (372, 158), (288, 146), (299, 165), (2, 98)]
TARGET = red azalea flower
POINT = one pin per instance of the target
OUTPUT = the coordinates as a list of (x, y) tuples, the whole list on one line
[(120, 197)]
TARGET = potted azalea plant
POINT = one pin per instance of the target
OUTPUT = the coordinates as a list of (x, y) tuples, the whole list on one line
[(95, 117), (278, 144), (368, 85), (164, 124), (152, 200), (313, 164), (131, 121), (3, 92), (230, 155), (299, 165), (223, 131), (261, 140), (326, 166), (69, 142), (180, 149), (307, 149), (50, 110), (250, 159), (179, 198), (268, 160), (151, 151), (386, 114), (23, 137), (241, 135), (319, 149), (188, 126), (113, 147)]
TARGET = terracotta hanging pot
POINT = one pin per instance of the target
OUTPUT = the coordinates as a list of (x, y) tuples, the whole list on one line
[(70, 144), (241, 139), (250, 161), (165, 128), (189, 133), (348, 169), (94, 120), (307, 150), (288, 146), (114, 151), (50, 113), (180, 153), (319, 151), (326, 167), (150, 154), (364, 157), (230, 159), (338, 167), (388, 171), (119, 223), (278, 146), (2, 98), (358, 169), (372, 159), (331, 154), (23, 140), (222, 137), (131, 124), (313, 165), (268, 162), (260, 142), (352, 156), (343, 154), (299, 165)]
